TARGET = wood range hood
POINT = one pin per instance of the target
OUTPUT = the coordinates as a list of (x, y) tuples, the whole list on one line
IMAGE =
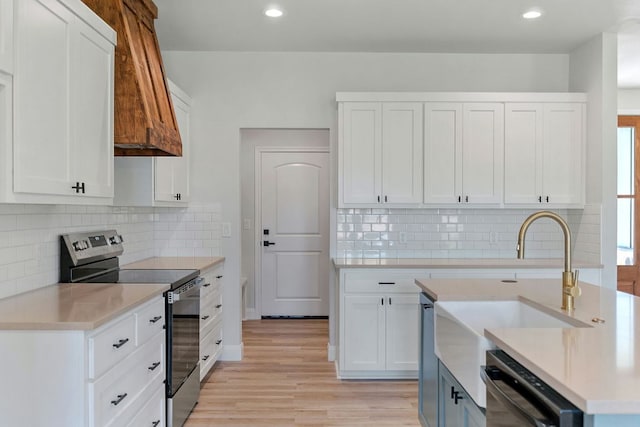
[(144, 120)]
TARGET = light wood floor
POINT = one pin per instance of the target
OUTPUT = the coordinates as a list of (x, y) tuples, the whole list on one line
[(285, 380)]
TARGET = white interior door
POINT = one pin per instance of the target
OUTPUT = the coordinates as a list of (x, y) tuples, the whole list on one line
[(294, 198)]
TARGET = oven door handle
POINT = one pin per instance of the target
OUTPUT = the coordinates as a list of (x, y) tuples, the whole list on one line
[(189, 289), (511, 405)]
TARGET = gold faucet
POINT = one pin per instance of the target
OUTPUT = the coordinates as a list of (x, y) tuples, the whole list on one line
[(570, 289)]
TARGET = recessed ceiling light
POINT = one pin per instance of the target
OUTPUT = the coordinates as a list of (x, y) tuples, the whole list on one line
[(273, 12), (532, 14)]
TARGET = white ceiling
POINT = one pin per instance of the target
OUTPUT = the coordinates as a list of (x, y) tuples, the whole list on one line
[(465, 26)]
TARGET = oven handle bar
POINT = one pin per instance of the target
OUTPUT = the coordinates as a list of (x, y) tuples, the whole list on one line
[(510, 404), (186, 290)]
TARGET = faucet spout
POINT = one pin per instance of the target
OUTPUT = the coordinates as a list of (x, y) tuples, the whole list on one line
[(569, 278)]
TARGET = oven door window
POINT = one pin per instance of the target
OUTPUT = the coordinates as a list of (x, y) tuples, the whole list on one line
[(185, 338)]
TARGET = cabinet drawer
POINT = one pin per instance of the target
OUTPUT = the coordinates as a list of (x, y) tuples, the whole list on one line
[(210, 349), (111, 345), (150, 320), (121, 387), (381, 283), (212, 281), (210, 312), (153, 412)]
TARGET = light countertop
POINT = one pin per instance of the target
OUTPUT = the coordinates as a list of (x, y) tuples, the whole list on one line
[(456, 263), (73, 306), (597, 368), (191, 263)]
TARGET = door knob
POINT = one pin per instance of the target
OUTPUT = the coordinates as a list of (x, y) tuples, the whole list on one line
[(267, 243)]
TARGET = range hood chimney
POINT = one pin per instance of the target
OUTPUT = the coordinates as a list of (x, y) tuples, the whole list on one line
[(144, 120)]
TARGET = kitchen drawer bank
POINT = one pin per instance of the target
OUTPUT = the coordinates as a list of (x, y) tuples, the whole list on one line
[(83, 355), (211, 304), (593, 367)]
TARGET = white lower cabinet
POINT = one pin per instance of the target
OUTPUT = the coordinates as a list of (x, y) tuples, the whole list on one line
[(378, 326), (456, 408), (211, 344), (111, 376)]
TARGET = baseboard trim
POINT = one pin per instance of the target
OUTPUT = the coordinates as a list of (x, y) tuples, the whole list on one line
[(331, 352), (250, 314), (232, 353)]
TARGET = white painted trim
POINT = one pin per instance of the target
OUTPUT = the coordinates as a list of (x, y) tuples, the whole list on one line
[(232, 353), (460, 97), (629, 112), (331, 352), (251, 314), (257, 279)]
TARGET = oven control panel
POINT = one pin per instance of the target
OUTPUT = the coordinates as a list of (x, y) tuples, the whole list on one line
[(90, 246)]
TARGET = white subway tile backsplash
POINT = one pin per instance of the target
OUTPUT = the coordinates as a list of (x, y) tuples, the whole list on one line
[(30, 248), (462, 233)]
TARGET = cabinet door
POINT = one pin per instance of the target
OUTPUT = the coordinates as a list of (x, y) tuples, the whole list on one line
[(401, 152), (562, 154), (91, 121), (523, 153), (472, 416), (364, 333), (6, 36), (361, 152), (402, 333), (450, 413), (442, 152), (42, 140), (172, 173), (482, 153)]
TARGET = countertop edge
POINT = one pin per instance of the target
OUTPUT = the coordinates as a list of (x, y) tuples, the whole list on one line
[(85, 326), (164, 263)]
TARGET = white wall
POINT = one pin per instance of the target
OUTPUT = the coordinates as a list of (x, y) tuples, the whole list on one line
[(629, 102), (233, 91), (593, 69)]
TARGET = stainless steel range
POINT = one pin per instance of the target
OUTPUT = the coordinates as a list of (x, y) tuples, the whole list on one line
[(92, 257)]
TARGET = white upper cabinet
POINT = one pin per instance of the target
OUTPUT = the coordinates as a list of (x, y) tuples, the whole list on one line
[(157, 181), (544, 156), (380, 153), (442, 152), (172, 173), (6, 36), (62, 105), (463, 153)]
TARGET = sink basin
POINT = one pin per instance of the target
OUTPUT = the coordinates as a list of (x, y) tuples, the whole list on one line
[(459, 334)]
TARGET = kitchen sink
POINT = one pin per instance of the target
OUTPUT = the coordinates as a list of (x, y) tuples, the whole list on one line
[(459, 334)]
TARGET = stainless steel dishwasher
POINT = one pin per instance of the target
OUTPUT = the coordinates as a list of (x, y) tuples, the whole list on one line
[(428, 386), (516, 397)]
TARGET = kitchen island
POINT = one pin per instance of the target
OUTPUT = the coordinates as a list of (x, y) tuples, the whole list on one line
[(596, 367)]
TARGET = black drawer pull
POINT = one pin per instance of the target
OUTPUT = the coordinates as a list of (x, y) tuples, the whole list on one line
[(155, 319), (155, 423), (386, 283), (205, 317), (121, 343), (219, 305), (204, 359), (218, 342), (206, 285), (119, 399), (218, 277), (154, 366)]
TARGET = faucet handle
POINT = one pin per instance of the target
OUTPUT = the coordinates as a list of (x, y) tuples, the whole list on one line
[(574, 291)]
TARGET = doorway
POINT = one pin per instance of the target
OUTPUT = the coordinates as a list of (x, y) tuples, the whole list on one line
[(628, 180), (254, 141)]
